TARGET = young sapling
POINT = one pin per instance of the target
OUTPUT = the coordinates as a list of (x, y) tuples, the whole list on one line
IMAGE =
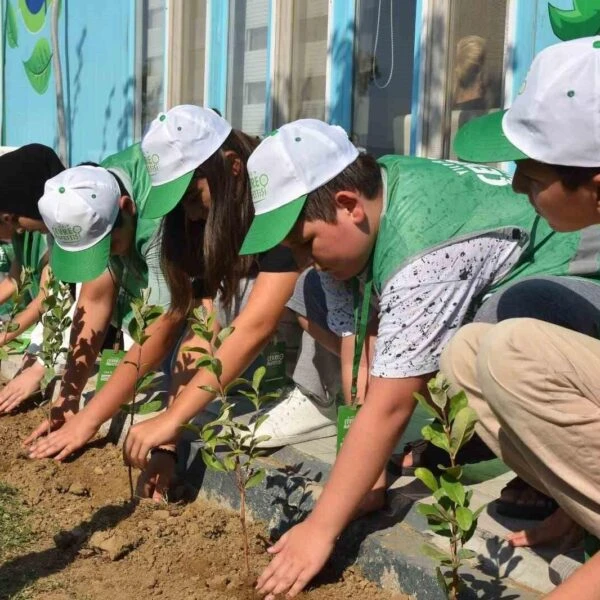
[(144, 314), (450, 515), (240, 440), (55, 319)]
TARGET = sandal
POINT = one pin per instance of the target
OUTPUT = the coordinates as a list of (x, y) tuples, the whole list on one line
[(429, 456), (540, 508)]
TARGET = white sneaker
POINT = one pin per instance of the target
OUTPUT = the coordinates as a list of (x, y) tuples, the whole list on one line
[(294, 419)]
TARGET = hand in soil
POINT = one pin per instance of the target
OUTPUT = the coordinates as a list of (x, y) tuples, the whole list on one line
[(22, 386), (142, 437), (154, 481), (299, 555), (70, 431), (558, 526)]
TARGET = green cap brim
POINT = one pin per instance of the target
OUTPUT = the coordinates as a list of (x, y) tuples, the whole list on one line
[(271, 228), (162, 199), (81, 265), (482, 140)]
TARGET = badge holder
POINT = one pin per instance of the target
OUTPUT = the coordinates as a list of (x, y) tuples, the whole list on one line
[(347, 413)]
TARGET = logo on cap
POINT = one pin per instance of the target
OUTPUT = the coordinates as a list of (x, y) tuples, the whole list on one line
[(152, 161), (258, 186), (67, 233)]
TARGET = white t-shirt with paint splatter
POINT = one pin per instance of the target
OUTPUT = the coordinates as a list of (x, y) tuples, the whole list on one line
[(421, 307)]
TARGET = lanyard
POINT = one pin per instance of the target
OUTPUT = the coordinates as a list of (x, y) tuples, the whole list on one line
[(361, 318)]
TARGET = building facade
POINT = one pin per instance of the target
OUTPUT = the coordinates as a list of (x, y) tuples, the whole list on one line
[(399, 75)]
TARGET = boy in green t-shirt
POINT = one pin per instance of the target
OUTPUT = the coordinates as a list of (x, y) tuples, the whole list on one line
[(100, 241), (431, 239)]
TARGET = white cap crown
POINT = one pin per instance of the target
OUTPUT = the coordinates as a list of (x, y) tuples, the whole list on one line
[(80, 206), (180, 140), (555, 119), (296, 159)]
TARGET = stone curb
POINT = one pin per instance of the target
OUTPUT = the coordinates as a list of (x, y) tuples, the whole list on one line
[(385, 547)]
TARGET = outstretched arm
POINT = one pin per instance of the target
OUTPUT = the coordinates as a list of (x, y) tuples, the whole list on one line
[(254, 326)]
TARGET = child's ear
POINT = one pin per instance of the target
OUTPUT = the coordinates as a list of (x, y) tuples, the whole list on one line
[(127, 205), (235, 161), (7, 218), (350, 202)]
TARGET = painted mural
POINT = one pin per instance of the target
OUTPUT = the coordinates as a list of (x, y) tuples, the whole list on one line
[(583, 20), (45, 54)]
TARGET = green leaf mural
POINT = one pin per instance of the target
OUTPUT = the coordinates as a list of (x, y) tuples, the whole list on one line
[(34, 13), (582, 21), (12, 32), (38, 67)]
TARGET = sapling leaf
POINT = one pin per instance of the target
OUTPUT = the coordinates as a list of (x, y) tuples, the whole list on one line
[(434, 433), (466, 554), (435, 553), (258, 376), (453, 488), (429, 511), (457, 403), (440, 528), (464, 518), (195, 349), (229, 462), (211, 461), (427, 477), (463, 429), (235, 383), (222, 336), (441, 580), (149, 407), (211, 389), (260, 419), (426, 405), (255, 479)]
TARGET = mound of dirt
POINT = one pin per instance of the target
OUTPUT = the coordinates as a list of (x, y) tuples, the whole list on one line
[(91, 543)]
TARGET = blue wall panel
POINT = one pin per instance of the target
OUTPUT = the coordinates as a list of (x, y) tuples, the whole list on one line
[(98, 78)]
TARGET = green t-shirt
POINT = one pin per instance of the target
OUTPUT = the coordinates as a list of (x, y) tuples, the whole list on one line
[(7, 255), (140, 269)]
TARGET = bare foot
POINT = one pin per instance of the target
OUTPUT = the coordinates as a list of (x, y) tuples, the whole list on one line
[(24, 385), (558, 526)]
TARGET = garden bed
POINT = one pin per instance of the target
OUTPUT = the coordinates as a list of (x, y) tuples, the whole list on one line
[(69, 532)]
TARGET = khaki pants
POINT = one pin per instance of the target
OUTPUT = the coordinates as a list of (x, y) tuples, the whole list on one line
[(536, 390)]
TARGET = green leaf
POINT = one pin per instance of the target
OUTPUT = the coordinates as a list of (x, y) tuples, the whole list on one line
[(455, 472), (39, 66), (12, 32), (258, 377), (211, 389), (425, 405), (464, 518), (478, 512), (435, 434), (429, 511), (149, 407), (212, 462), (463, 429), (454, 489), (427, 477), (235, 383), (196, 349), (440, 529), (229, 462), (193, 428), (466, 554), (256, 478), (435, 553), (223, 335), (437, 390), (441, 580), (457, 403)]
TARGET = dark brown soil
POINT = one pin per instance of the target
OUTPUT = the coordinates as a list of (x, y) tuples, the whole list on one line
[(88, 542)]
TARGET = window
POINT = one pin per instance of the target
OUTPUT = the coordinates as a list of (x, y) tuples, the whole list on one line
[(475, 63), (247, 68), (150, 61), (301, 65), (255, 92), (383, 73), (256, 38), (187, 52)]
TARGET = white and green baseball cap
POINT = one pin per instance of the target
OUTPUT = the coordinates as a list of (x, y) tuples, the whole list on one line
[(176, 144), (80, 207), (555, 119), (286, 166)]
